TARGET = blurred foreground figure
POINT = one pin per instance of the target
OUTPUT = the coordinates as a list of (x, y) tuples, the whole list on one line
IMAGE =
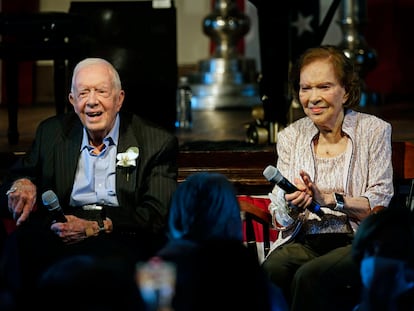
[(205, 233), (384, 249)]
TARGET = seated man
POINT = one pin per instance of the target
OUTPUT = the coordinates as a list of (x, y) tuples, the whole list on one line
[(113, 174)]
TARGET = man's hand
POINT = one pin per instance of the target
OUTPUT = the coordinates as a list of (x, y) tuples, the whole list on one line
[(21, 199), (77, 229)]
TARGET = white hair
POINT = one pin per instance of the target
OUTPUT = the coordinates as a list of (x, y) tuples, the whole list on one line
[(93, 61)]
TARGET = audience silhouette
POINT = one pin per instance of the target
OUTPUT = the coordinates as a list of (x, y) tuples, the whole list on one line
[(84, 282), (384, 248), (213, 267)]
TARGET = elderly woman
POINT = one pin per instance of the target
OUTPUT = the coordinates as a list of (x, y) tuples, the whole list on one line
[(339, 158)]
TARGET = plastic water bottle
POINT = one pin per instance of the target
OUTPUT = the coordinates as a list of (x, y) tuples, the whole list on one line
[(183, 107)]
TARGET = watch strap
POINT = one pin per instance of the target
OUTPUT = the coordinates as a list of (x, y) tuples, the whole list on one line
[(100, 224)]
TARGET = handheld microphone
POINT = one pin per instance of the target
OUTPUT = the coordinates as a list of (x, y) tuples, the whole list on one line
[(272, 174), (50, 200)]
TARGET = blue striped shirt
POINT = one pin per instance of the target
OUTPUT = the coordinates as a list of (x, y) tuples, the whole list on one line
[(95, 179)]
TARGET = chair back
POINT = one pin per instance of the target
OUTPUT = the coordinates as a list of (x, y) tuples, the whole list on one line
[(259, 233)]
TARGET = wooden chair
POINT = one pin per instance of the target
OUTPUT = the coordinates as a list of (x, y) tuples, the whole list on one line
[(258, 233)]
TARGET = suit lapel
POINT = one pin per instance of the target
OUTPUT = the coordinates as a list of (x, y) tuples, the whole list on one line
[(124, 184), (66, 158)]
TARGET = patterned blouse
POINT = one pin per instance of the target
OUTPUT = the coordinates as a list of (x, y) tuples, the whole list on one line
[(363, 170)]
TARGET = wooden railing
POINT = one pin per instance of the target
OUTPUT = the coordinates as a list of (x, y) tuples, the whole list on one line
[(244, 167)]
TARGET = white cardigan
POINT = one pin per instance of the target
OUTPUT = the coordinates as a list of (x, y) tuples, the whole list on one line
[(368, 169)]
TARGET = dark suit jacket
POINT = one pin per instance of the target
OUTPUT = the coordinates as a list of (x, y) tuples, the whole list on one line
[(139, 222), (143, 198)]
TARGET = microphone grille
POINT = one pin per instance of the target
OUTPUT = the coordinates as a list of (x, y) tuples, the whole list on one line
[(50, 199), (271, 173)]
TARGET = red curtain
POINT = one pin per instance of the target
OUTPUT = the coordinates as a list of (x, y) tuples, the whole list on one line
[(389, 30)]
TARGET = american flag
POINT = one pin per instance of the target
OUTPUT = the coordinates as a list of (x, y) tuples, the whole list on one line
[(284, 34)]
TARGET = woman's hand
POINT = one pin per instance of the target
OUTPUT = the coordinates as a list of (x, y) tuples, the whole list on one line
[(21, 199), (324, 199), (77, 229), (303, 197)]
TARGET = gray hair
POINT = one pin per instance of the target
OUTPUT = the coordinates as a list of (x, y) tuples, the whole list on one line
[(116, 81)]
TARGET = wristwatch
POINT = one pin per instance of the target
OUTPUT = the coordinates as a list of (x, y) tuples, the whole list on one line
[(339, 200), (101, 224)]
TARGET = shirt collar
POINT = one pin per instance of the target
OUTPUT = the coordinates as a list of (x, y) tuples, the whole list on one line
[(110, 139)]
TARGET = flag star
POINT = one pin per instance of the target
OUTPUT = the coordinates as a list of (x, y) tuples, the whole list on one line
[(303, 24)]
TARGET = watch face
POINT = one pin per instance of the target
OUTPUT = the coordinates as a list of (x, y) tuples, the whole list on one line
[(339, 201), (339, 198)]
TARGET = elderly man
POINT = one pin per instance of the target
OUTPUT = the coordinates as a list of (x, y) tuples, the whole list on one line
[(110, 172)]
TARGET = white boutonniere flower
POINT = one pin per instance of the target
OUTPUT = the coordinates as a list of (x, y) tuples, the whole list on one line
[(128, 158)]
